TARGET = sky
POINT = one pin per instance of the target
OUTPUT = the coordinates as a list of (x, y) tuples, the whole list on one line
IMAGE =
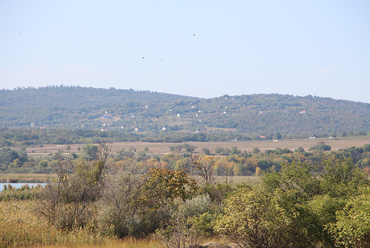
[(194, 48)]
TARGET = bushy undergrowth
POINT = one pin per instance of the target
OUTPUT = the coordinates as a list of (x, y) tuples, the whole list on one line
[(301, 205)]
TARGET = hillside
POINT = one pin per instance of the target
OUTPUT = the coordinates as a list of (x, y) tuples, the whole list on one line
[(155, 113)]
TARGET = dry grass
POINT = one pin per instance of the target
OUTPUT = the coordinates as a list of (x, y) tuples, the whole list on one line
[(126, 243), (27, 177), (19, 227), (161, 148)]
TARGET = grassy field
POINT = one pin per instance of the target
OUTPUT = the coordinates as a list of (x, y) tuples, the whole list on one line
[(127, 243), (20, 227), (162, 148)]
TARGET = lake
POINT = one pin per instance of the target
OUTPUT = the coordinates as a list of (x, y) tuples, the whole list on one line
[(19, 185)]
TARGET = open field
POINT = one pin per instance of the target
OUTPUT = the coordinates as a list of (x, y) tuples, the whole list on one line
[(162, 148)]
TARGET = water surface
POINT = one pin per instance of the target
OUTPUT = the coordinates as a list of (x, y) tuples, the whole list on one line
[(19, 185)]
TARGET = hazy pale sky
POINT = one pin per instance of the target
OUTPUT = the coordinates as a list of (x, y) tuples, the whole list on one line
[(296, 47)]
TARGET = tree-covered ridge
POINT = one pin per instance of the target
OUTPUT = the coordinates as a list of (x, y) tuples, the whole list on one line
[(77, 97), (155, 113)]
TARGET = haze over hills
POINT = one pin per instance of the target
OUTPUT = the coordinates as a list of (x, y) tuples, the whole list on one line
[(154, 113)]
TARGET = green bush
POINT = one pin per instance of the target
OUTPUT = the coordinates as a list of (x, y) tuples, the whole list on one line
[(302, 205)]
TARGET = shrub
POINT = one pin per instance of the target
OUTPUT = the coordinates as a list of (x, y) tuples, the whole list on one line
[(186, 225), (68, 203)]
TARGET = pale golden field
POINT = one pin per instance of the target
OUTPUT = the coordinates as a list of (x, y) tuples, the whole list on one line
[(162, 148)]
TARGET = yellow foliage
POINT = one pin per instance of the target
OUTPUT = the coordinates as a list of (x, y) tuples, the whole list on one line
[(258, 171)]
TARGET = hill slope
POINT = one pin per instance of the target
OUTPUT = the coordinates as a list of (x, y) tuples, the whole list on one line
[(153, 113)]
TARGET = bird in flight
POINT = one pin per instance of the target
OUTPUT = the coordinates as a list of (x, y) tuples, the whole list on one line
[(193, 34), (143, 57), (19, 33)]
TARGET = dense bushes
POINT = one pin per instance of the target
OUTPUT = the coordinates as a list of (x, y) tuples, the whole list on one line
[(301, 206)]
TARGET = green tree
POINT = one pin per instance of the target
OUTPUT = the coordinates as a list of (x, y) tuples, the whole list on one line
[(249, 220), (295, 207), (188, 148), (23, 154), (366, 147), (256, 150), (43, 164), (141, 156), (206, 151), (352, 228), (89, 152), (8, 155), (299, 149), (235, 150), (226, 151), (218, 150)]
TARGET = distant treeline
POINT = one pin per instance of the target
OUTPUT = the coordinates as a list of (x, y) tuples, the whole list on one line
[(224, 161), (29, 137), (33, 137)]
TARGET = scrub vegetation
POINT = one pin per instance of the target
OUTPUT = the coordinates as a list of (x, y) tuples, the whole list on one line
[(94, 201)]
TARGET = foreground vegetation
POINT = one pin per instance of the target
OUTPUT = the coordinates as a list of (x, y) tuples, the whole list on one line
[(20, 226), (298, 204)]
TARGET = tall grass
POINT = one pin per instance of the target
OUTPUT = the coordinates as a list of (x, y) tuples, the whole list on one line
[(126, 243), (19, 227)]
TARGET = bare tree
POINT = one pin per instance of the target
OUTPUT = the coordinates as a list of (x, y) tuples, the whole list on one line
[(203, 165)]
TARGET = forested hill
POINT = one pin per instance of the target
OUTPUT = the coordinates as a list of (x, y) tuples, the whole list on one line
[(155, 113), (77, 98)]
